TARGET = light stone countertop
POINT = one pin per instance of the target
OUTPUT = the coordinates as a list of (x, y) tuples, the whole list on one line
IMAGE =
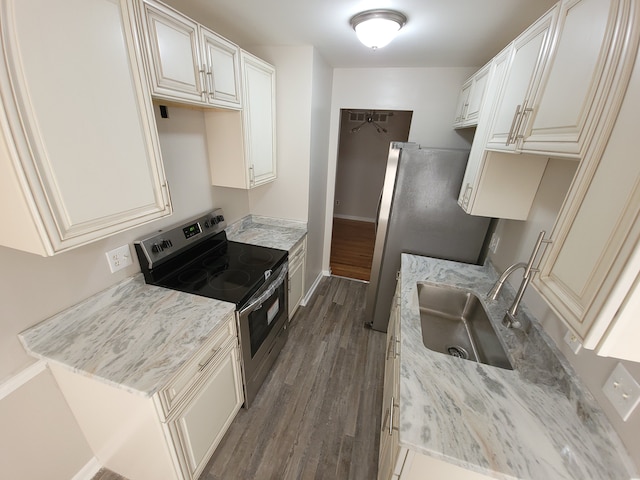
[(133, 336), (267, 232), (535, 422)]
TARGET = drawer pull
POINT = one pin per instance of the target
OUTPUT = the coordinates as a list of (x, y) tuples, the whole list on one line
[(203, 365)]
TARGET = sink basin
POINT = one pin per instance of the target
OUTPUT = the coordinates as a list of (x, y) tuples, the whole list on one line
[(454, 322)]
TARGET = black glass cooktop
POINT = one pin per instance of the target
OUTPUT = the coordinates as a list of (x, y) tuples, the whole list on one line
[(220, 269)]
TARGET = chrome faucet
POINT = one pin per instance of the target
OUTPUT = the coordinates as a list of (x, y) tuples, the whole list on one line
[(510, 319)]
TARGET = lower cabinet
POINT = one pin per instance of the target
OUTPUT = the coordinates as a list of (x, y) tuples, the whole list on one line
[(388, 466), (297, 260), (172, 434), (200, 425)]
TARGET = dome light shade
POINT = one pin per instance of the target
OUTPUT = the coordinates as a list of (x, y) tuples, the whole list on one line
[(376, 28)]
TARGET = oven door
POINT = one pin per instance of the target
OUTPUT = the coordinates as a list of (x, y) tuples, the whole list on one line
[(262, 324)]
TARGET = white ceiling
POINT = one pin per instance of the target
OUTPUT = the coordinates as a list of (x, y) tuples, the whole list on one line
[(439, 33)]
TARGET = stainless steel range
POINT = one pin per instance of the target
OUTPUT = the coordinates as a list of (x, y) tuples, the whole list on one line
[(196, 257)]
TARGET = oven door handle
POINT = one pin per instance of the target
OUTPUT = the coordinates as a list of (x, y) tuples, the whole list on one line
[(275, 284)]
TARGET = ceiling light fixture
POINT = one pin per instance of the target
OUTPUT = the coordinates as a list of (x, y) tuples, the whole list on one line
[(376, 28)]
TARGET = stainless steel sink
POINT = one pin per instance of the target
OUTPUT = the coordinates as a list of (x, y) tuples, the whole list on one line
[(454, 322)]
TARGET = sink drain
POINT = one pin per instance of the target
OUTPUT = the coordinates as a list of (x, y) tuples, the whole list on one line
[(457, 351)]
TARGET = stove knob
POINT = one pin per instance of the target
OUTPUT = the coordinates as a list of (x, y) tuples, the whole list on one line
[(214, 220), (206, 224), (166, 244), (157, 248), (220, 218)]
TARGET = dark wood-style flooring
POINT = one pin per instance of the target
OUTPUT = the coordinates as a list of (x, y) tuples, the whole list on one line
[(352, 245), (317, 416)]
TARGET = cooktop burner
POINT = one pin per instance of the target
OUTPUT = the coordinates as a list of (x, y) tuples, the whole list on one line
[(197, 258)]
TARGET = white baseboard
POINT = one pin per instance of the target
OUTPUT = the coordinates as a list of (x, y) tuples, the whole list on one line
[(352, 217), (313, 287), (88, 471), (18, 380)]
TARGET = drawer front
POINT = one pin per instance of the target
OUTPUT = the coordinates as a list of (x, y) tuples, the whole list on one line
[(296, 256), (190, 374)]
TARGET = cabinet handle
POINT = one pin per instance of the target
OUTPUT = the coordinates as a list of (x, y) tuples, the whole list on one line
[(210, 81), (523, 123), (203, 80), (464, 111), (252, 178), (467, 195), (396, 348), (513, 124), (391, 407), (203, 365)]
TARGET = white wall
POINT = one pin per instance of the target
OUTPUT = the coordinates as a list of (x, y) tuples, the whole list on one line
[(431, 93), (32, 288), (288, 196), (320, 114), (516, 241)]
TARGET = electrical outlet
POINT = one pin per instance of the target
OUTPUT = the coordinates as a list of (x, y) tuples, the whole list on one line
[(119, 258), (573, 341), (337, 203), (622, 390), (493, 245)]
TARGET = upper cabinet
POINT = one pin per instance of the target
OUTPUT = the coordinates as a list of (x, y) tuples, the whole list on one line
[(242, 145), (471, 98), (590, 274), (546, 96), (563, 75), (588, 69), (186, 61), (491, 177), (523, 69), (79, 152)]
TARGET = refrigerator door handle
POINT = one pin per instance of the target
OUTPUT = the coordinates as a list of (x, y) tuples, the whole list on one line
[(378, 209)]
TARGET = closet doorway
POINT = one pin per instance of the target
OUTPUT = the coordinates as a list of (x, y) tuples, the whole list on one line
[(363, 146)]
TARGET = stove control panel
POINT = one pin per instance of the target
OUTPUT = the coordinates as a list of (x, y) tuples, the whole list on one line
[(170, 241)]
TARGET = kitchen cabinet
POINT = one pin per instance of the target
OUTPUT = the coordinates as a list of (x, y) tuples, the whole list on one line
[(496, 184), (297, 260), (242, 145), (186, 61), (522, 73), (564, 75), (388, 464), (75, 171), (173, 434), (471, 98), (590, 273)]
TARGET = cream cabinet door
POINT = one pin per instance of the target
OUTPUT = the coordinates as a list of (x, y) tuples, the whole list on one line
[(80, 157), (242, 144), (523, 71), (259, 119), (591, 270), (198, 429), (173, 53), (297, 259), (463, 104), (477, 95), (588, 58), (222, 63), (389, 441)]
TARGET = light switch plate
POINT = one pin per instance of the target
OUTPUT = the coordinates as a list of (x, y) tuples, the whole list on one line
[(119, 258), (622, 390)]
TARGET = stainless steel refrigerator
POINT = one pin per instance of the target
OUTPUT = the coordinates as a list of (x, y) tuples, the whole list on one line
[(418, 213)]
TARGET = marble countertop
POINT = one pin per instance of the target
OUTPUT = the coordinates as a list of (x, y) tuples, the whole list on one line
[(535, 422), (267, 232), (133, 335)]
